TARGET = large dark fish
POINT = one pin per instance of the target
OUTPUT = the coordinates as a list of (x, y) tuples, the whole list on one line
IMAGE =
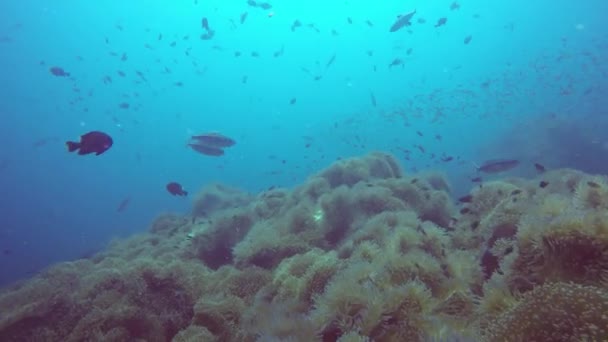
[(402, 20), (213, 140), (207, 150), (92, 142), (176, 189), (498, 165)]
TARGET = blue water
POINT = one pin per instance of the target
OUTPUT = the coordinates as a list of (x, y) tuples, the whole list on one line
[(528, 65)]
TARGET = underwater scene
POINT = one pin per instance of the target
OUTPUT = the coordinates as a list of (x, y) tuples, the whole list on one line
[(274, 170)]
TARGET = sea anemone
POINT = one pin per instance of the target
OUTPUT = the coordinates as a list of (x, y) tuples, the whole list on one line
[(592, 193), (554, 312)]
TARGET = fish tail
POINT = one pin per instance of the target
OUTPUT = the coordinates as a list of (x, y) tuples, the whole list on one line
[(72, 146)]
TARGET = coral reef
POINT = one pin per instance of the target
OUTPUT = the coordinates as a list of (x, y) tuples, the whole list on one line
[(360, 252)]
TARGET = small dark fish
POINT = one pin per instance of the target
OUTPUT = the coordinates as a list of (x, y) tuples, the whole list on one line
[(373, 98), (349, 20), (207, 150), (59, 72), (243, 17), (176, 189), (205, 23), (476, 180), (466, 199), (369, 23), (279, 52), (402, 20), (123, 205), (214, 139), (252, 3), (539, 168), (421, 21), (419, 133), (465, 211), (208, 36), (467, 39), (441, 22), (92, 142), (396, 62), (543, 184), (498, 165), (447, 159), (295, 25), (265, 6), (593, 184), (292, 101), (454, 6), (516, 192), (330, 61), (124, 105)]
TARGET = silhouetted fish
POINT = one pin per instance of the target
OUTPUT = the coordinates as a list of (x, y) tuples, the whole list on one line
[(539, 168), (207, 150), (92, 142), (402, 20), (264, 5), (498, 165), (123, 204), (441, 22), (213, 139), (243, 17), (466, 199), (59, 72), (176, 189)]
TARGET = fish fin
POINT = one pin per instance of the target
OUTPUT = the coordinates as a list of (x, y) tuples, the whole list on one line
[(72, 146)]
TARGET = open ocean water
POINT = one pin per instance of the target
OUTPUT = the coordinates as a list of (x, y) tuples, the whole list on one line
[(199, 170)]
